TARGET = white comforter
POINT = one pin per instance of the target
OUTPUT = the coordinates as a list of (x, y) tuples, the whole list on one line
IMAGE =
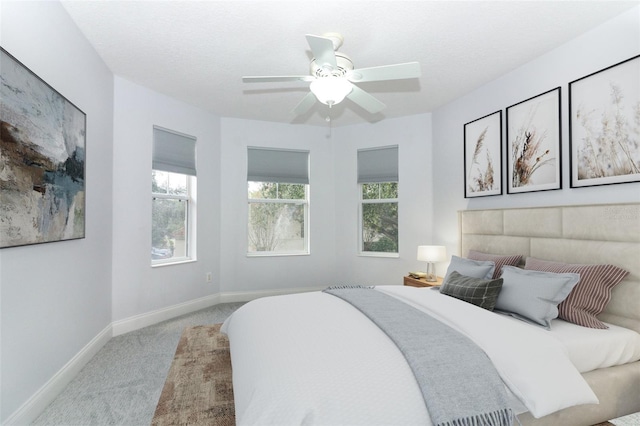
[(312, 358)]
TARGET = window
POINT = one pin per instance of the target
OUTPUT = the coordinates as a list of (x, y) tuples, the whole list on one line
[(277, 218), (378, 180), (380, 217), (173, 179), (169, 217), (278, 206)]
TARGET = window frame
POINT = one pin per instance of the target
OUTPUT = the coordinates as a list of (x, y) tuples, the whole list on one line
[(189, 224), (304, 202), (361, 203)]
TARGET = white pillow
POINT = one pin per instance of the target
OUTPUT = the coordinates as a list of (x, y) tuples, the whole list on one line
[(482, 269), (534, 296)]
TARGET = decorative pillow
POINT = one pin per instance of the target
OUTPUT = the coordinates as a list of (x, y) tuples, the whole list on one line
[(534, 295), (498, 259), (589, 298), (477, 291), (471, 268)]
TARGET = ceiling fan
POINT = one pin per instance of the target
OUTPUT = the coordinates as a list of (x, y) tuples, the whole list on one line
[(332, 76)]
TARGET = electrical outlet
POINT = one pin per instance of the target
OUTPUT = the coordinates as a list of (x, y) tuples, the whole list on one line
[(209, 277)]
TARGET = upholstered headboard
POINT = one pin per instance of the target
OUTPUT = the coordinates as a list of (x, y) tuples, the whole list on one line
[(589, 234)]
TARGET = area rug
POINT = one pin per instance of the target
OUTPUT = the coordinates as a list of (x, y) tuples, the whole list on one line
[(198, 389)]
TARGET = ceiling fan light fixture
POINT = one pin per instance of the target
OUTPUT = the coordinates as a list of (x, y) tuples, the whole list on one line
[(330, 90), (333, 77)]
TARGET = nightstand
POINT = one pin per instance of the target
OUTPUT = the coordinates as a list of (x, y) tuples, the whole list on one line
[(421, 282)]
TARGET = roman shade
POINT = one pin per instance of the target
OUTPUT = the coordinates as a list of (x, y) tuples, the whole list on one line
[(277, 165), (378, 164), (174, 152)]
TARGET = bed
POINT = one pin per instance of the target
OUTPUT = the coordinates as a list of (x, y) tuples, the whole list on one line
[(313, 358)]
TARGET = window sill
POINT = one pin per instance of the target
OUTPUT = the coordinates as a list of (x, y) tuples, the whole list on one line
[(173, 262), (271, 254), (381, 254)]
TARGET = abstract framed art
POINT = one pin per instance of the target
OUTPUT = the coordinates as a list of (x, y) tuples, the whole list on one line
[(533, 144), (604, 126), (42, 160), (483, 156)]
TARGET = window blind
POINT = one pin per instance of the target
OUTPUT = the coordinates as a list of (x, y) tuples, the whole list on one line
[(174, 152), (378, 164), (277, 165)]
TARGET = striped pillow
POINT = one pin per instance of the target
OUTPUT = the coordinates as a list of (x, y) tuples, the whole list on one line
[(590, 296), (498, 259)]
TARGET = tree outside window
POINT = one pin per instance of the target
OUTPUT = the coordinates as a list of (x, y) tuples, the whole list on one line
[(379, 219), (277, 218)]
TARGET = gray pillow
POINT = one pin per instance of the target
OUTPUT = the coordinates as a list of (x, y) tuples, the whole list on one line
[(534, 296), (471, 268), (477, 291)]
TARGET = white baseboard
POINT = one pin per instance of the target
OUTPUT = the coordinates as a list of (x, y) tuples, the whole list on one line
[(32, 408), (154, 317), (245, 296), (150, 318)]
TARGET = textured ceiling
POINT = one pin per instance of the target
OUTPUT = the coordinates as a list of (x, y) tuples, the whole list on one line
[(198, 51)]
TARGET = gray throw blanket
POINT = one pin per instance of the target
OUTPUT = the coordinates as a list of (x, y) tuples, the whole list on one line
[(460, 385)]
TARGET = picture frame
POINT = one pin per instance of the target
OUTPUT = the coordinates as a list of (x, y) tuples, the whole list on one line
[(604, 126), (483, 156), (534, 151), (42, 153)]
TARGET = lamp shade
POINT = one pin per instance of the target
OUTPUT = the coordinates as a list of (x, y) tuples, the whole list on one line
[(432, 253), (330, 90)]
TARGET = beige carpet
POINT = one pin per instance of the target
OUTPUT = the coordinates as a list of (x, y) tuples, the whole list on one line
[(198, 389)]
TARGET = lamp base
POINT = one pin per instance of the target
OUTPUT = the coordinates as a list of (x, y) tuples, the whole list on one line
[(431, 272)]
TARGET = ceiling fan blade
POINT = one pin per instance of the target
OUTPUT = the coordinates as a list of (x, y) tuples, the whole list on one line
[(385, 72), (305, 104), (322, 49), (365, 100), (276, 78)]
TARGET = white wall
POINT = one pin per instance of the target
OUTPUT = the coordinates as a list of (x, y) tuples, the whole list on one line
[(56, 297), (415, 192), (137, 287), (605, 45), (242, 274)]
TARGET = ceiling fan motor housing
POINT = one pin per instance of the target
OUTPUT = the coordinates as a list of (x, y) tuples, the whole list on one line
[(325, 70)]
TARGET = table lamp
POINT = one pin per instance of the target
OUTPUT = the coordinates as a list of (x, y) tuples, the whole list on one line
[(431, 255)]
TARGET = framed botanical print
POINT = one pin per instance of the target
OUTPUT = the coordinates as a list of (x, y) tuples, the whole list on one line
[(483, 156), (533, 144), (604, 126)]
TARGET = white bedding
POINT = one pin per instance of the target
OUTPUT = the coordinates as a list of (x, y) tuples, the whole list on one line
[(590, 348), (312, 358)]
